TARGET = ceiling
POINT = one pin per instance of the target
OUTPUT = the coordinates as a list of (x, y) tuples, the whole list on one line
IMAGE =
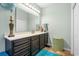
[(44, 5)]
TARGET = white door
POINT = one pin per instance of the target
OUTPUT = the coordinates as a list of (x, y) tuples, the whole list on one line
[(76, 30)]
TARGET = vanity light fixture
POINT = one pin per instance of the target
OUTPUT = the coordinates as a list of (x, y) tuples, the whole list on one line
[(28, 8), (31, 7)]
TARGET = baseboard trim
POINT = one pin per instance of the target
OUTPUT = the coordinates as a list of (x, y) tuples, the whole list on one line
[(67, 49)]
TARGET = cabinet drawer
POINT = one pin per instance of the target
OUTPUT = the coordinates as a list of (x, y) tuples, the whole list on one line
[(22, 52), (27, 54), (17, 50), (21, 41), (20, 47)]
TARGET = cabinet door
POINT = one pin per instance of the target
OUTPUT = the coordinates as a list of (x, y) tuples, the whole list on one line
[(46, 38), (35, 45), (42, 41)]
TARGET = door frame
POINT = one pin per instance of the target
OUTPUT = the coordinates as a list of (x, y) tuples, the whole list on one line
[(73, 5)]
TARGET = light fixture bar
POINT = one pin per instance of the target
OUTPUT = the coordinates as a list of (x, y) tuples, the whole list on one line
[(27, 9), (31, 7)]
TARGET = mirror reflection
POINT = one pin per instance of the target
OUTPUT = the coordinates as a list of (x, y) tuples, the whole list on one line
[(25, 21)]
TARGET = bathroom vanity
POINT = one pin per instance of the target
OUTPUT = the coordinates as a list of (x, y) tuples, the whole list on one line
[(26, 44)]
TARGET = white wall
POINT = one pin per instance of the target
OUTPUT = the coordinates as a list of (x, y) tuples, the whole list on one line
[(4, 26), (58, 17)]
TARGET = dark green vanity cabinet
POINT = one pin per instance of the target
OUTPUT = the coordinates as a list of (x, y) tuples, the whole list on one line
[(22, 47), (42, 38), (28, 46), (34, 44), (46, 39), (19, 47)]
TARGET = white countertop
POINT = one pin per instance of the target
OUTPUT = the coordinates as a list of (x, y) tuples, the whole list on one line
[(23, 35)]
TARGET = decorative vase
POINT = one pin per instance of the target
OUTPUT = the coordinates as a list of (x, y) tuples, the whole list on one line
[(11, 26), (41, 28)]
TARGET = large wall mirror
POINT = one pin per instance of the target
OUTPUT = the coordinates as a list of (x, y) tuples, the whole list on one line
[(25, 21)]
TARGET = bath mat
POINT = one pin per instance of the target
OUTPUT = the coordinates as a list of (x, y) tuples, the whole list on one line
[(3, 54), (44, 52)]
